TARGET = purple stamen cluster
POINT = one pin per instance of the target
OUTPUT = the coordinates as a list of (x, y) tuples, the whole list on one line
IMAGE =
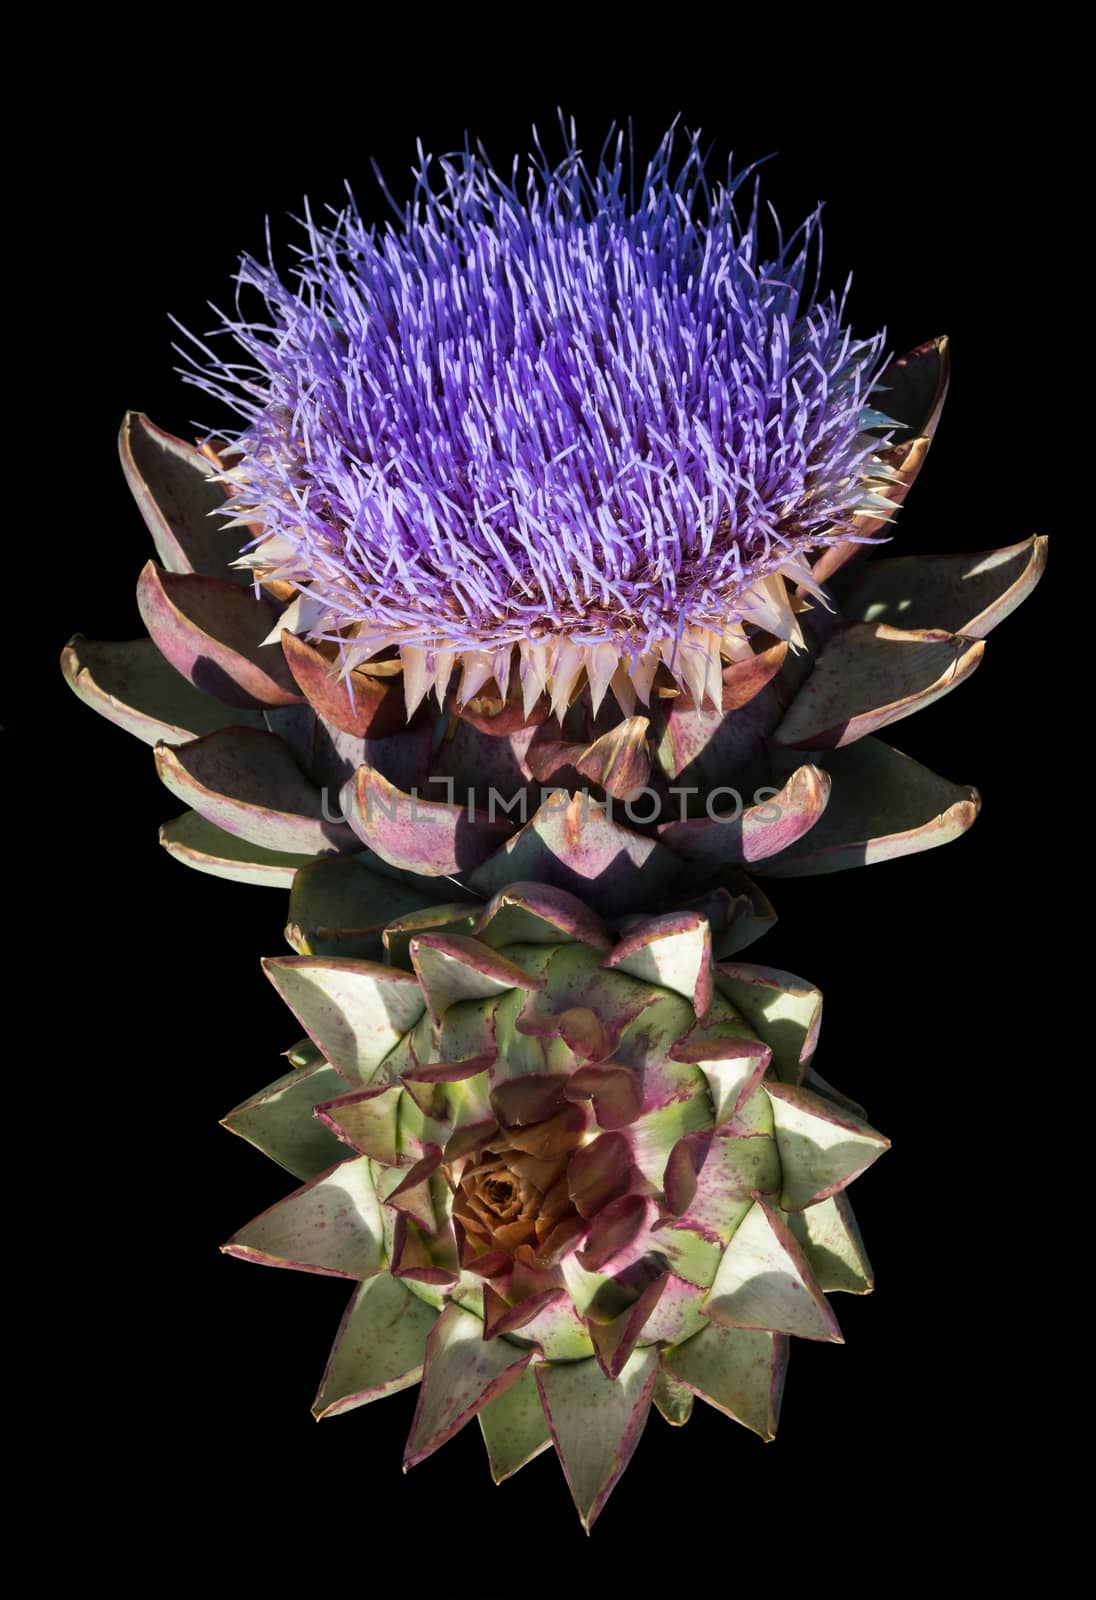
[(540, 404)]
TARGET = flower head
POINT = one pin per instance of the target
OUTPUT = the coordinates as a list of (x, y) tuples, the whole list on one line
[(597, 422)]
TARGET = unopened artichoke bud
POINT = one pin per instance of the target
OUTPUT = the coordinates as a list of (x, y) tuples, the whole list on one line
[(573, 1173)]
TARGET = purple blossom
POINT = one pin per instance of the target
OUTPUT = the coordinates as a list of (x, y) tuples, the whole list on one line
[(541, 406)]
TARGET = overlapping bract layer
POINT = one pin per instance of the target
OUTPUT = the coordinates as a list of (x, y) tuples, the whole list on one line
[(772, 763), (574, 1171)]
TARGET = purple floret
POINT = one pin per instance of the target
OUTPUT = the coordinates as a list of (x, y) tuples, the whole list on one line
[(538, 404)]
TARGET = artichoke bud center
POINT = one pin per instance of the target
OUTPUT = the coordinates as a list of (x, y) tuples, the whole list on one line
[(514, 1193)]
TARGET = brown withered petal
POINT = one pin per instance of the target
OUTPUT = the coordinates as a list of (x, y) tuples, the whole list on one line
[(474, 1214), (559, 1134), (559, 1241), (511, 1234), (541, 1174), (514, 1197), (557, 1201)]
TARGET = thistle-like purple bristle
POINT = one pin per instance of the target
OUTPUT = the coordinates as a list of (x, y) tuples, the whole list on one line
[(537, 407)]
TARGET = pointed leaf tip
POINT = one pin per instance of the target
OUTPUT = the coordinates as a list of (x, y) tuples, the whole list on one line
[(513, 1427), (180, 500), (822, 1146), (332, 1226), (200, 844), (674, 951), (246, 782), (463, 1373), (132, 685), (453, 967), (380, 1347), (279, 1121), (739, 1371), (964, 594), (884, 805), (354, 1011), (764, 1282), (869, 675), (213, 632), (596, 1423)]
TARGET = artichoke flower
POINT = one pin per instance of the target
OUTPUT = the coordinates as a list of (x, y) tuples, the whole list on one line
[(572, 1172), (535, 556)]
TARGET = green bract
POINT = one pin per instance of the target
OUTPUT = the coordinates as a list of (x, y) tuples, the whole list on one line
[(573, 1171)]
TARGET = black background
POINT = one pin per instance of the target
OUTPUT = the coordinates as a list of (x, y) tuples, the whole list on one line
[(186, 1376)]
